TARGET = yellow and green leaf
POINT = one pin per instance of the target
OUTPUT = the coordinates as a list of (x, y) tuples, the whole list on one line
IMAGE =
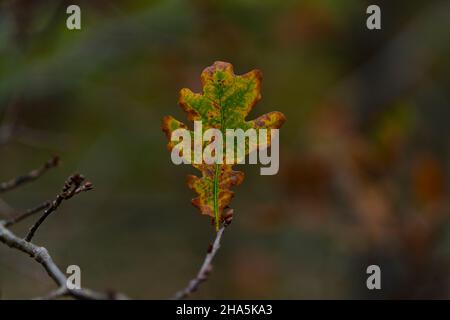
[(224, 104)]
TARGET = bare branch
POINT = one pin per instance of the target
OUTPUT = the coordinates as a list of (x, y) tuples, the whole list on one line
[(41, 255), (81, 294), (31, 176), (19, 217), (72, 186), (206, 267)]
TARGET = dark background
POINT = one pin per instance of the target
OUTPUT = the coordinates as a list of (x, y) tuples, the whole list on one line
[(364, 153)]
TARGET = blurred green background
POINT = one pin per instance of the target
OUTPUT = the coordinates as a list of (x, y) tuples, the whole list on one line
[(364, 153)]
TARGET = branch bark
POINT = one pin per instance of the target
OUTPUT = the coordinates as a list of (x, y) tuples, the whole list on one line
[(31, 176), (207, 266), (22, 216)]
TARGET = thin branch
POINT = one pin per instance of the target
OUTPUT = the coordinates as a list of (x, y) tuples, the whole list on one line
[(82, 294), (206, 267), (31, 176), (22, 216), (72, 186)]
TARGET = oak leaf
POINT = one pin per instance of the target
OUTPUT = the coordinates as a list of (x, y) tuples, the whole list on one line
[(224, 104)]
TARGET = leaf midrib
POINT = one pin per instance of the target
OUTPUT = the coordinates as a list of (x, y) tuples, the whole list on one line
[(217, 166)]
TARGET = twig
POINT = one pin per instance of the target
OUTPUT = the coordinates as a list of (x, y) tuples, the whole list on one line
[(26, 214), (72, 187), (206, 267), (31, 176)]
